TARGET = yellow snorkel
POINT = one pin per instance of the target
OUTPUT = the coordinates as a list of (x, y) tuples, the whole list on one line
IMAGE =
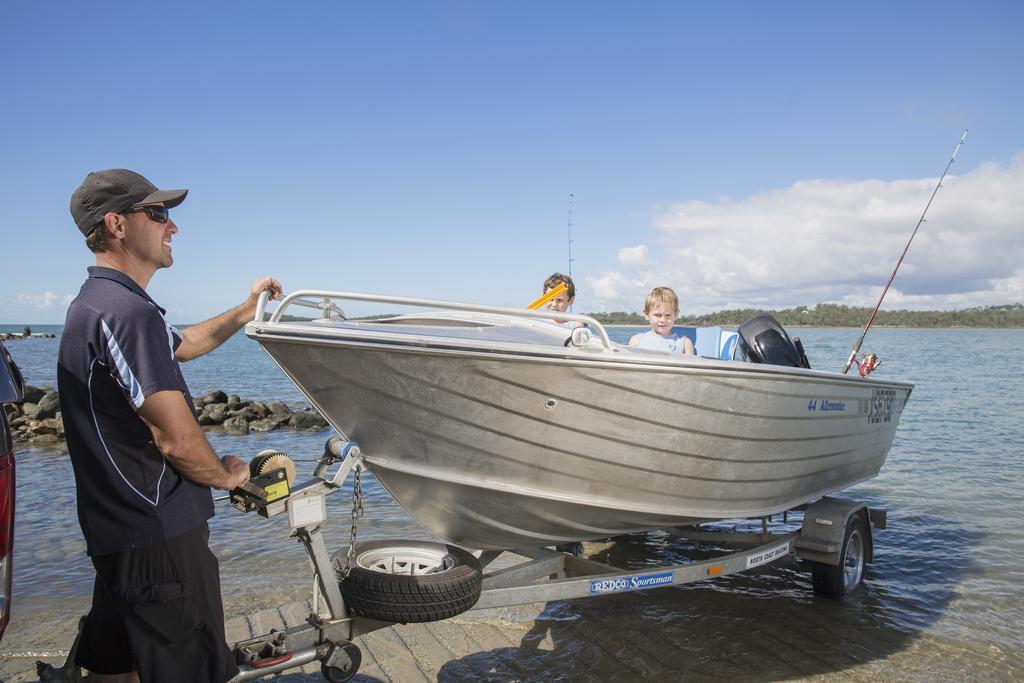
[(548, 296)]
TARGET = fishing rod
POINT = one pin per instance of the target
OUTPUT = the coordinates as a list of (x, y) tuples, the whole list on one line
[(871, 361)]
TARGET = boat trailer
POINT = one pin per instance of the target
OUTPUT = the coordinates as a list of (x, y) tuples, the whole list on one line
[(834, 538)]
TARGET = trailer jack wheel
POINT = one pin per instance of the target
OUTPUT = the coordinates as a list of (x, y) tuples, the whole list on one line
[(838, 581), (341, 663)]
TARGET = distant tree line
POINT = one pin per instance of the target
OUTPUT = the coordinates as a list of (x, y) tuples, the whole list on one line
[(824, 315), (836, 315)]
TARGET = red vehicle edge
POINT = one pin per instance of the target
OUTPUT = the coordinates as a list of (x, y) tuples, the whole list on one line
[(12, 390)]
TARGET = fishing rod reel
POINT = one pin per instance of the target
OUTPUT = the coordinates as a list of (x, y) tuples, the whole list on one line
[(867, 364)]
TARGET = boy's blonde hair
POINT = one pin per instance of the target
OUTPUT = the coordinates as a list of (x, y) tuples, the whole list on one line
[(661, 295), (557, 279)]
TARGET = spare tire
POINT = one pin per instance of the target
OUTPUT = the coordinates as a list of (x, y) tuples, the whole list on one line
[(408, 582)]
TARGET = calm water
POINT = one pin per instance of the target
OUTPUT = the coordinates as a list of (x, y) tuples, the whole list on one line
[(945, 595)]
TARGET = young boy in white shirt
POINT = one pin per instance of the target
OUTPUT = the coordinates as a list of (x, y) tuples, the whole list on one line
[(661, 309)]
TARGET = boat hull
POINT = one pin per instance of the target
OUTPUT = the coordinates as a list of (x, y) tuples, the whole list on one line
[(498, 450)]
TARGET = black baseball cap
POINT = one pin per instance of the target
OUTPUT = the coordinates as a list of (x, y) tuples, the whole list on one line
[(116, 189)]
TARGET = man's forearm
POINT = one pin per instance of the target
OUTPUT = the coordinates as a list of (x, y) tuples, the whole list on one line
[(206, 336), (191, 455), (180, 439), (201, 338)]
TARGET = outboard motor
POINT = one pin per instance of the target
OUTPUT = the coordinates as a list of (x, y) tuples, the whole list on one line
[(763, 340)]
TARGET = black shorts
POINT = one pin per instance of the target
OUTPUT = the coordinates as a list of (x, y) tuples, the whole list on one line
[(157, 610)]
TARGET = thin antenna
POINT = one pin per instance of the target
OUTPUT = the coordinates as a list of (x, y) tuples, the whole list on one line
[(570, 241), (860, 340), (570, 235)]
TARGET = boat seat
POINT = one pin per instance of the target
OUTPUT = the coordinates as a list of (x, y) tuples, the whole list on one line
[(727, 349), (714, 342), (688, 332)]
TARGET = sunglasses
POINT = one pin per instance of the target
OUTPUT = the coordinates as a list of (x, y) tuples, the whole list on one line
[(156, 212)]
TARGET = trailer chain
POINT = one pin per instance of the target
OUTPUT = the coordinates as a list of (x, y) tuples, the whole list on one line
[(357, 512)]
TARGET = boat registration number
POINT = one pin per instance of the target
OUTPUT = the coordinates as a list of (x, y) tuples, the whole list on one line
[(621, 584), (768, 555), (882, 401)]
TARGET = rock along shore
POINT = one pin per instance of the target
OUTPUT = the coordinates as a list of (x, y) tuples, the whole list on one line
[(14, 336), (38, 420)]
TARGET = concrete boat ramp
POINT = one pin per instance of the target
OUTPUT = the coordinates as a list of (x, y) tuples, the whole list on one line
[(708, 632), (765, 625)]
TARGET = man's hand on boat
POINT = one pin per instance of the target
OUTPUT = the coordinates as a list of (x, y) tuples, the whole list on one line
[(264, 284), (199, 339)]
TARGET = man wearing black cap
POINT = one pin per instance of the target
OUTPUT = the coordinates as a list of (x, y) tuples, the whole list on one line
[(143, 466)]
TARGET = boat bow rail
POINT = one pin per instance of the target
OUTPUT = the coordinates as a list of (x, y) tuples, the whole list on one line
[(324, 301)]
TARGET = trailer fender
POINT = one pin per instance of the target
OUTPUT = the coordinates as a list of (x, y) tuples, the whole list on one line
[(824, 527)]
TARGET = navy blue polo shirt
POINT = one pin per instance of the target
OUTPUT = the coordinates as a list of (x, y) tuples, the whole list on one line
[(116, 350)]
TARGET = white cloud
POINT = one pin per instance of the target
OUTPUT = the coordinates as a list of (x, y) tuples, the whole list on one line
[(633, 256), (32, 308), (837, 241), (613, 287), (43, 302)]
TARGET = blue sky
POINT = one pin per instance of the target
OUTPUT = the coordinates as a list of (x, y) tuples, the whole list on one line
[(742, 153)]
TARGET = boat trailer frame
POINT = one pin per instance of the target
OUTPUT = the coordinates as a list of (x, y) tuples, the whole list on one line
[(543, 575), (552, 575)]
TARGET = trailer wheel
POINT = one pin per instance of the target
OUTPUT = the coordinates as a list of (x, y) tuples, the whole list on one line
[(408, 582), (342, 663), (838, 581)]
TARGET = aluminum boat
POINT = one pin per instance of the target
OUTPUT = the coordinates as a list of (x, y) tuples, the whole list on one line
[(495, 428)]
